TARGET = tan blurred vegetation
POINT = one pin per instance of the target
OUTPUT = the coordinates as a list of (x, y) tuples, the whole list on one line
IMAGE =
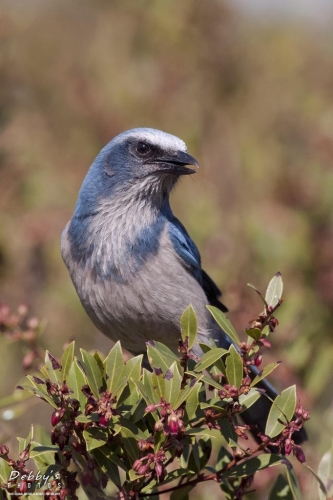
[(253, 103)]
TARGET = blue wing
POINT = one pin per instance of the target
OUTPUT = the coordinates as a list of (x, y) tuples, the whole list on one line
[(185, 247)]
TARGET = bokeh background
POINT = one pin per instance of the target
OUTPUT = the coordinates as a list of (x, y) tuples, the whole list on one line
[(250, 90)]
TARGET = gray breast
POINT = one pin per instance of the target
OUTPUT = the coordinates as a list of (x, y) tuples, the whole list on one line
[(147, 305)]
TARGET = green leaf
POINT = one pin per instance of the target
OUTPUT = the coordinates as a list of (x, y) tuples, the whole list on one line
[(274, 290), (234, 367), (114, 366), (185, 393), (132, 369), (325, 472), (76, 380), (5, 471), (95, 437), (266, 371), (219, 363), (224, 323), (252, 465), (146, 389), (283, 408), (200, 431), (189, 325), (67, 360), (43, 455), (254, 333), (157, 359), (93, 373), (158, 382), (100, 363), (130, 443), (39, 390), (192, 402), (51, 366), (165, 352), (107, 465), (208, 380), (224, 457), (293, 481), (173, 380), (281, 489), (209, 358), (247, 400)]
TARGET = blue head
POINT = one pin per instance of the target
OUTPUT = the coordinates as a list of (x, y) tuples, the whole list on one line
[(148, 159), (124, 200)]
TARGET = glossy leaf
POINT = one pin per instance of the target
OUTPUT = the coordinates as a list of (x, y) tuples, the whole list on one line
[(263, 373), (158, 381), (173, 380), (51, 365), (192, 401), (114, 366), (95, 437), (157, 359), (234, 367), (93, 372), (40, 391), (218, 363), (189, 325), (283, 408), (209, 358), (67, 360), (185, 393), (76, 380), (5, 471), (130, 442), (206, 379), (274, 290), (247, 400), (224, 323), (107, 466), (254, 333)]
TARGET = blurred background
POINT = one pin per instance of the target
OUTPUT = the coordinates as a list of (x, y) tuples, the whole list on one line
[(250, 90)]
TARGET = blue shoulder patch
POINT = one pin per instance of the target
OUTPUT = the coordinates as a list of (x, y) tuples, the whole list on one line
[(185, 247)]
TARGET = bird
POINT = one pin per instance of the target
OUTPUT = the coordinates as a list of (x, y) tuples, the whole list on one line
[(132, 262)]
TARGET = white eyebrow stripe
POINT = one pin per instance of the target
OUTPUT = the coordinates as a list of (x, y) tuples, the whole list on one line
[(154, 137)]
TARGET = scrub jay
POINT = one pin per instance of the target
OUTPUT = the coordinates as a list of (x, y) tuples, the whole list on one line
[(132, 262)]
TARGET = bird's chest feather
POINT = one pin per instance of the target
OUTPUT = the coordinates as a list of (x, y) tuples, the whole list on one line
[(130, 279)]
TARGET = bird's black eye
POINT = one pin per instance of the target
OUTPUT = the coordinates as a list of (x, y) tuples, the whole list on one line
[(142, 148)]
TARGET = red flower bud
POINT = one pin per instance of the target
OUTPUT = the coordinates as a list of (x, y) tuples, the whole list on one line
[(63, 493), (258, 360), (158, 469), (56, 417), (173, 423), (266, 343), (299, 454), (136, 464), (23, 487), (102, 421), (4, 450)]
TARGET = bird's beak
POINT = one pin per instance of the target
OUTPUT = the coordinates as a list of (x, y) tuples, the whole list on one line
[(176, 163)]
